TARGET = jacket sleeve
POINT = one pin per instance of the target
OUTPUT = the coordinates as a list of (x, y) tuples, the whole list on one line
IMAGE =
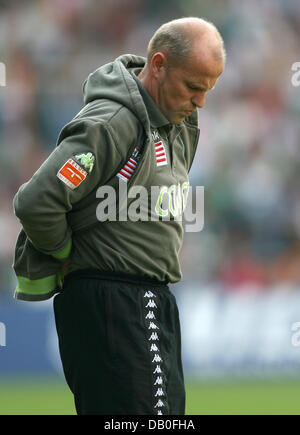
[(85, 157)]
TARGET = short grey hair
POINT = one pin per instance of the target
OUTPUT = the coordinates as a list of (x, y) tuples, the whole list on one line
[(173, 39), (170, 40)]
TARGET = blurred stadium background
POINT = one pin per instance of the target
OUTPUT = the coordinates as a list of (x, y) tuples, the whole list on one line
[(240, 296)]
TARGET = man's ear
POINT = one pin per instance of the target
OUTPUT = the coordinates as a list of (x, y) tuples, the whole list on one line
[(159, 64)]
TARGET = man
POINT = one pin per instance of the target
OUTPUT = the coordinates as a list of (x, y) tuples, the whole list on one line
[(117, 321)]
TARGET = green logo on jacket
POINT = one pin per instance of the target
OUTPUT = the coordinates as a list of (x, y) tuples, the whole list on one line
[(86, 160)]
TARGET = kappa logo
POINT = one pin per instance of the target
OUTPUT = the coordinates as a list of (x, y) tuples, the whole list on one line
[(159, 404), (158, 381), (149, 294), (153, 326), (86, 160), (153, 337), (156, 359), (157, 369), (150, 315), (151, 304)]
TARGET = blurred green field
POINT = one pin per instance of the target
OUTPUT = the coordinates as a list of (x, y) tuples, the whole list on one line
[(52, 397)]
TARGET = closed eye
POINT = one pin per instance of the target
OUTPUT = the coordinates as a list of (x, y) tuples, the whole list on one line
[(198, 88), (194, 87)]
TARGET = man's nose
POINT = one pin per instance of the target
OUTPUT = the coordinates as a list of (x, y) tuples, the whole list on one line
[(199, 99)]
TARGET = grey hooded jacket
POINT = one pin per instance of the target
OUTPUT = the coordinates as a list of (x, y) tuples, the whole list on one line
[(59, 206)]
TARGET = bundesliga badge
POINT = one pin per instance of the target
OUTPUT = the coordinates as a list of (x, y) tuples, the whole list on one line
[(71, 174)]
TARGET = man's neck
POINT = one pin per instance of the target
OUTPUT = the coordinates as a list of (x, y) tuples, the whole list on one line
[(146, 81)]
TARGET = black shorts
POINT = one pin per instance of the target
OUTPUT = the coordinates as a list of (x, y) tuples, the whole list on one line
[(120, 346)]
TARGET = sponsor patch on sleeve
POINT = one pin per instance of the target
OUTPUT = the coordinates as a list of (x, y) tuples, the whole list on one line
[(71, 174)]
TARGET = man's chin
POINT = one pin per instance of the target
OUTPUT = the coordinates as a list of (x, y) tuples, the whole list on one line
[(178, 119)]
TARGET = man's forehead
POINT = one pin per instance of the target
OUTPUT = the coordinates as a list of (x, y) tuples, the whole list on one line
[(195, 68), (206, 53), (198, 66)]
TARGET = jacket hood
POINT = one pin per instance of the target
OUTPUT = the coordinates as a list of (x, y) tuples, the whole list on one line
[(113, 81)]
